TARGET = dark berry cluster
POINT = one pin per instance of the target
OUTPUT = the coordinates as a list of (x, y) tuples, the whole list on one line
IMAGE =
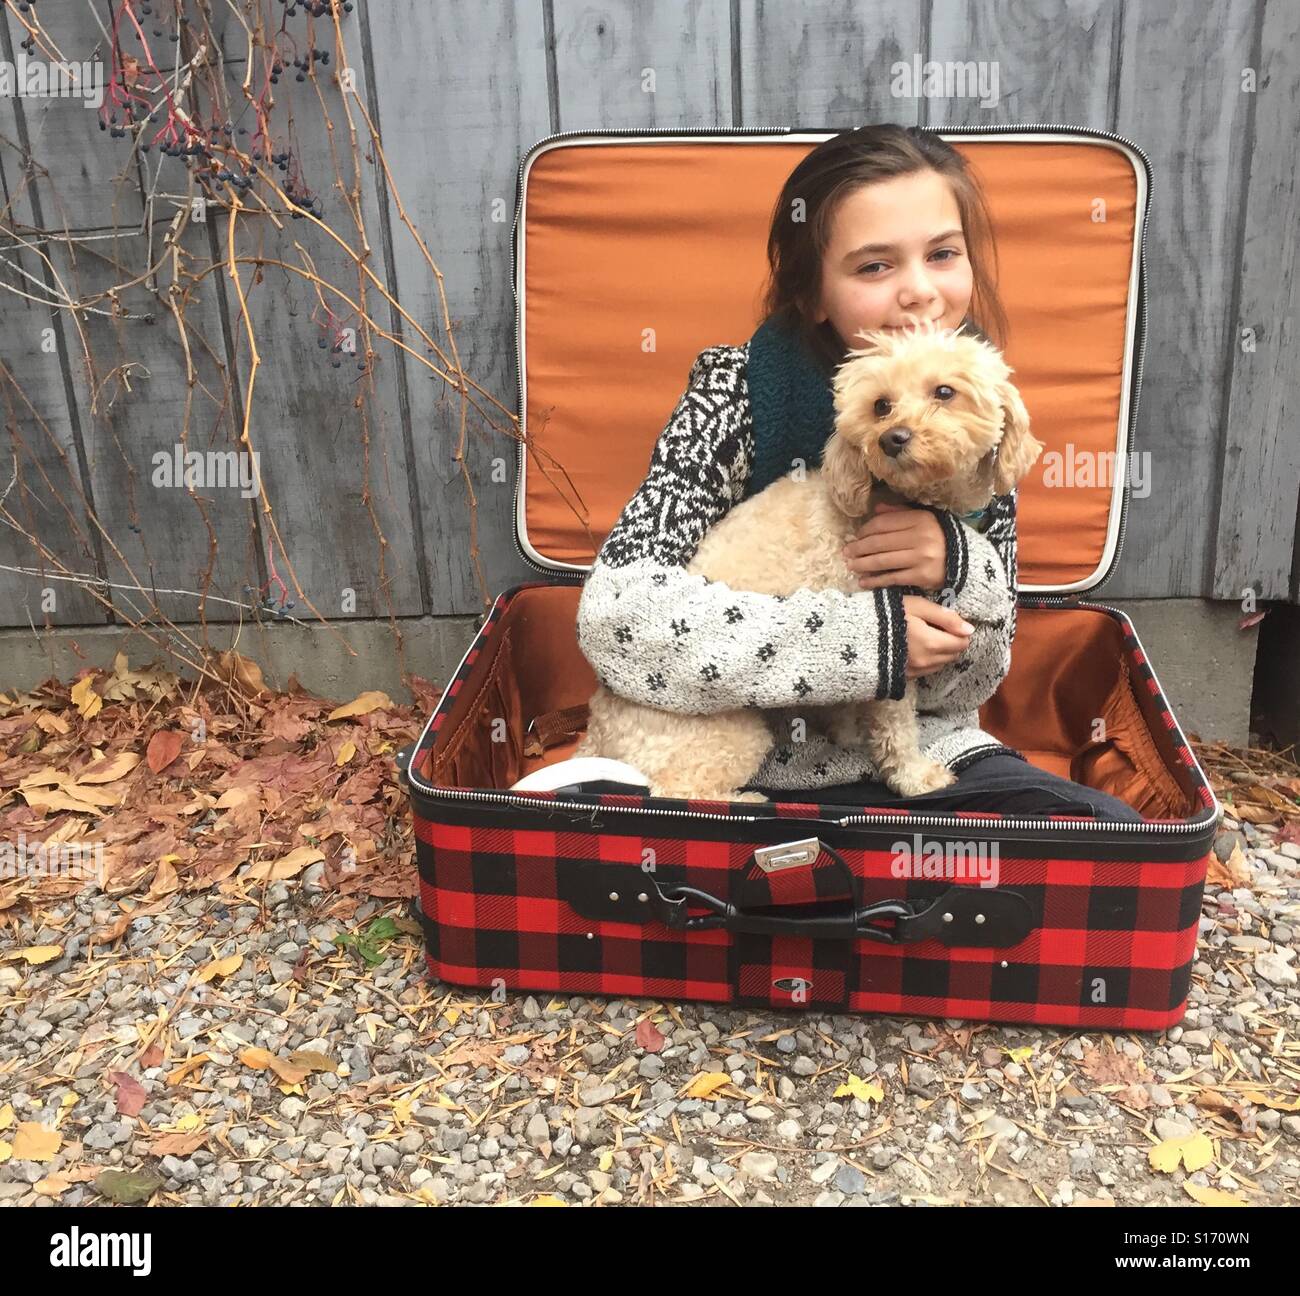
[(315, 8), (269, 604)]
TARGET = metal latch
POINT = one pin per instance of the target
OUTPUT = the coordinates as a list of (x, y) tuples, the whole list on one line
[(772, 859)]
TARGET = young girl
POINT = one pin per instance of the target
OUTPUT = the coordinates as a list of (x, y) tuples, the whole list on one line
[(893, 230)]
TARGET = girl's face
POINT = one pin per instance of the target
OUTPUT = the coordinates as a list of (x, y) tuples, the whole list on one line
[(896, 256)]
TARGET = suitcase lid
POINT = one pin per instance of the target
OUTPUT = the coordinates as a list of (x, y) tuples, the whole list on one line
[(625, 235)]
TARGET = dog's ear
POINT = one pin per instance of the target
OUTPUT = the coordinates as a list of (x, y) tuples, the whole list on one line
[(1018, 451), (844, 469)]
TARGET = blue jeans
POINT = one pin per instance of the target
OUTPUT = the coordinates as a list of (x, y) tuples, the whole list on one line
[(1000, 783)]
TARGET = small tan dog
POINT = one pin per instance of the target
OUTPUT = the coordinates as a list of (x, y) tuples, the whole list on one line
[(926, 415)]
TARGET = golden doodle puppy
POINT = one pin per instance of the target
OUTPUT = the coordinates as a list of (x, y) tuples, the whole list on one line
[(926, 415)]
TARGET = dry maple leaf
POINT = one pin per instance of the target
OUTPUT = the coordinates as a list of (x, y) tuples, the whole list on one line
[(1110, 1068)]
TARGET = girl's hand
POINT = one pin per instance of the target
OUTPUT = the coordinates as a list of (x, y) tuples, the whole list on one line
[(899, 545), (936, 636)]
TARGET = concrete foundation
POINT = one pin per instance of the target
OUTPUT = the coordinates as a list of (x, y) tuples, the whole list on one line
[(1204, 662)]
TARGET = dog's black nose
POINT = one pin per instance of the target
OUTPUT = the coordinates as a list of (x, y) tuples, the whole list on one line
[(893, 441)]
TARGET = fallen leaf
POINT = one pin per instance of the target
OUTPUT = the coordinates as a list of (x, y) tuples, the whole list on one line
[(6, 1116), (163, 748), (181, 1073), (109, 771), (649, 1036), (52, 1185), (1109, 1068), (36, 1142), (6, 1151), (1213, 1196), (179, 1145), (1093, 1201), (346, 753), (286, 866), (39, 953), (219, 968), (547, 1199), (131, 1095), (1277, 1104), (243, 673), (129, 1187), (362, 704), (706, 1084), (1194, 1151), (313, 1061), (1231, 873), (85, 699), (861, 1090), (257, 1058), (165, 880)]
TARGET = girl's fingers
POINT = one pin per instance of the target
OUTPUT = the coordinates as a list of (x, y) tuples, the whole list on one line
[(904, 576), (874, 563)]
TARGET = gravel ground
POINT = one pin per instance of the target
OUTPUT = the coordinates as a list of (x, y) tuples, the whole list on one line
[(296, 1073)]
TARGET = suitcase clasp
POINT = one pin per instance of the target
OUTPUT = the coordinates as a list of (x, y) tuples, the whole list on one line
[(788, 855)]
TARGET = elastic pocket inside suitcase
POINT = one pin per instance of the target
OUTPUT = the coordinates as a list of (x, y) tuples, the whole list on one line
[(1123, 758), (487, 749)]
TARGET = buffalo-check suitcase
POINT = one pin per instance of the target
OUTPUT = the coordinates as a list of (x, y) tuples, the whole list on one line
[(633, 251)]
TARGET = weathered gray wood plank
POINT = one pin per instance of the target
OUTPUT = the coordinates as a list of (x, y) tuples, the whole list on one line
[(460, 94), (1047, 58), (1261, 465), (130, 387), (38, 442), (1181, 101), (332, 455), (627, 64), (815, 65)]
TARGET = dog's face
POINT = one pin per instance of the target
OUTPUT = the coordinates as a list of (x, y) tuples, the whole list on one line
[(924, 411)]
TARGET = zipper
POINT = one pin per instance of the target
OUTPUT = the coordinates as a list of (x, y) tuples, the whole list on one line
[(1044, 831), (614, 132)]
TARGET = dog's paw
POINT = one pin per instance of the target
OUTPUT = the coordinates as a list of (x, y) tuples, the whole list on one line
[(917, 780), (749, 796)]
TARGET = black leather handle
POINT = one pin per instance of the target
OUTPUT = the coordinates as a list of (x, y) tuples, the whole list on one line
[(961, 916)]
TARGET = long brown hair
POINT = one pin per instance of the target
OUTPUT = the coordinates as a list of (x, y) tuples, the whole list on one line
[(830, 172)]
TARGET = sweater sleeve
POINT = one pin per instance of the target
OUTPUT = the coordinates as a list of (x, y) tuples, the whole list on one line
[(659, 635), (980, 583)]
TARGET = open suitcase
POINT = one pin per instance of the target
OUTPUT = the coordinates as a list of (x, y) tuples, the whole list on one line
[(626, 235)]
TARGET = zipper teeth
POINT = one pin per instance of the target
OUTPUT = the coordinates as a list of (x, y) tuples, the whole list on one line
[(1186, 828), (1056, 826)]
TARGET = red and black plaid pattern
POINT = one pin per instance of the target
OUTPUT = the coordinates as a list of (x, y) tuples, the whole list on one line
[(1112, 944)]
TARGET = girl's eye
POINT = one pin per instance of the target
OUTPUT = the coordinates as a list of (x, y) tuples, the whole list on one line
[(883, 407), (871, 266), (944, 392), (951, 252)]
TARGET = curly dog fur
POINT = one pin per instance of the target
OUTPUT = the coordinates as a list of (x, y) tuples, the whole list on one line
[(925, 415)]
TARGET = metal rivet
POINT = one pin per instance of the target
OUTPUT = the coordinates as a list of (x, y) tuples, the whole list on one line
[(613, 895), (1004, 962), (947, 917), (591, 935), (643, 897), (979, 918)]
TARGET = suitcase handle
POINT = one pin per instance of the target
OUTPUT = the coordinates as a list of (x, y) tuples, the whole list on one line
[(962, 916)]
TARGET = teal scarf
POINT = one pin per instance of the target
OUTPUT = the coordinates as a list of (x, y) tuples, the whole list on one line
[(793, 403)]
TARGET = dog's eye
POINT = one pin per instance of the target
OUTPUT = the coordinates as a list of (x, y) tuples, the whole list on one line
[(944, 392), (883, 406)]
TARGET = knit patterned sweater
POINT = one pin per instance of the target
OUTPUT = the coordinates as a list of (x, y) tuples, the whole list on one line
[(663, 637)]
